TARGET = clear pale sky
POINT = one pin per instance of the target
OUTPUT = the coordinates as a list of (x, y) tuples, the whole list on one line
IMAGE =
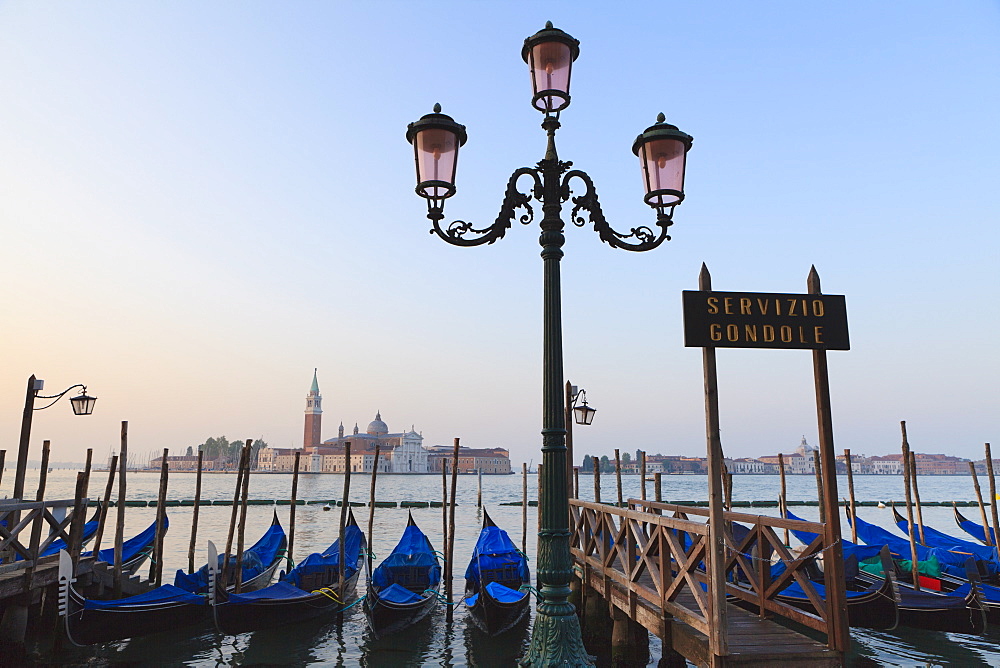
[(201, 202)]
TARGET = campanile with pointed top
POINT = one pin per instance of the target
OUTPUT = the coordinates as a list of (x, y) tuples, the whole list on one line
[(314, 415)]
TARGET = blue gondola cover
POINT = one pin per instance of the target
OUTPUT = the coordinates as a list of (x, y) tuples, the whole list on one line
[(254, 561), (395, 593), (160, 595), (329, 560), (412, 552), (494, 551)]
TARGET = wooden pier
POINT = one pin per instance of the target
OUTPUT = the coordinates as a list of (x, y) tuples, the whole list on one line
[(648, 564)]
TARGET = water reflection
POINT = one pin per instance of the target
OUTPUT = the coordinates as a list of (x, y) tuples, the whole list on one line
[(495, 651), (409, 647)]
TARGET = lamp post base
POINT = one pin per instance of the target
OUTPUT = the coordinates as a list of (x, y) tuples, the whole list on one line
[(556, 641)]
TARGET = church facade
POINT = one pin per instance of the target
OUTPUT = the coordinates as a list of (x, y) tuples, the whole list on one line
[(400, 452)]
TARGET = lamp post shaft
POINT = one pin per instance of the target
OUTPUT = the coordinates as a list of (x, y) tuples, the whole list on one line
[(23, 444), (555, 637)]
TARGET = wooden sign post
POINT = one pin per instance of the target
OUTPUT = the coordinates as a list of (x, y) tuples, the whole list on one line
[(811, 321)]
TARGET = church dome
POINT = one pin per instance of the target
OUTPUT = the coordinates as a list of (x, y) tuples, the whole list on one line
[(376, 427)]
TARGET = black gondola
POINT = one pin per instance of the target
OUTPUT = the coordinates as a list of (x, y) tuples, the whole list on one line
[(309, 590), (92, 621), (493, 581), (959, 611), (404, 588), (135, 550), (977, 531)]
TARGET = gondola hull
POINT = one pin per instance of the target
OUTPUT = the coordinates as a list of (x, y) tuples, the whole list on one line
[(271, 612), (90, 627), (494, 617), (386, 617), (933, 611), (875, 609)]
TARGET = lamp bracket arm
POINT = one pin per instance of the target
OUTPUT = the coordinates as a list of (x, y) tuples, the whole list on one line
[(457, 231), (644, 238), (57, 397)]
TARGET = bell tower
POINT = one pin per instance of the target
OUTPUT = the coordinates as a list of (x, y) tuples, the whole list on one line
[(314, 415)]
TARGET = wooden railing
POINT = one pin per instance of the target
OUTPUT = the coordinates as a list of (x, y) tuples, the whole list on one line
[(659, 551), (19, 549)]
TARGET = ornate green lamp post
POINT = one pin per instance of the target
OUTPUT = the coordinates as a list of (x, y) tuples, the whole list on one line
[(662, 150)]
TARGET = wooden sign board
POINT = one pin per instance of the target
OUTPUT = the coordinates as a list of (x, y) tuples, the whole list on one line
[(765, 320)]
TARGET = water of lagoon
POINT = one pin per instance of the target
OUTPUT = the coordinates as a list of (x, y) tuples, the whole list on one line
[(433, 642)]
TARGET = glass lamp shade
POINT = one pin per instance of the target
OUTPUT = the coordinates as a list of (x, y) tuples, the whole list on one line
[(584, 414), (662, 151), (550, 53), (436, 138), (83, 404)]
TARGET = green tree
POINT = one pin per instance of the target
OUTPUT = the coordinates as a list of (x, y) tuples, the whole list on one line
[(189, 451), (588, 464), (626, 460), (605, 464)]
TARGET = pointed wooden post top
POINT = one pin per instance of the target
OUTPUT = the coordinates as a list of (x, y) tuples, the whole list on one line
[(812, 282), (704, 278), (902, 427)]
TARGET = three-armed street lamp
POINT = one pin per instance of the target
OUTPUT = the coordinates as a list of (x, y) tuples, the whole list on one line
[(82, 405), (662, 151)]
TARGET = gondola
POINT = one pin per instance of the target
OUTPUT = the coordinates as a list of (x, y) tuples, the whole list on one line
[(309, 590), (869, 605), (499, 604), (258, 564), (977, 531), (92, 621), (986, 564), (958, 611), (404, 588), (135, 550)]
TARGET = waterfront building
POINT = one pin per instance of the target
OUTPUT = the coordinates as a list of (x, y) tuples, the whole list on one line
[(182, 463), (470, 460)]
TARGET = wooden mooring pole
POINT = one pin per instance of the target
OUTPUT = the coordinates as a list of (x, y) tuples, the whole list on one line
[(293, 502), (103, 518), (850, 490), (915, 570), (783, 499), (982, 509), (818, 468), (120, 519), (618, 477), (451, 536), (345, 504), (993, 491), (658, 483), (194, 513), (156, 563), (916, 497), (232, 518), (371, 504), (36, 526), (642, 472), (524, 508), (241, 531), (597, 479)]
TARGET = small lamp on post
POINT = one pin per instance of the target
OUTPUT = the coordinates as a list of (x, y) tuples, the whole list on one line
[(583, 414)]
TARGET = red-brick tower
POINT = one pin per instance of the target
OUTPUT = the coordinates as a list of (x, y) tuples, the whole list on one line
[(314, 415)]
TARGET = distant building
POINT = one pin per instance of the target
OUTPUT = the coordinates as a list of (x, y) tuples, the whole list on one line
[(470, 460), (182, 463)]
